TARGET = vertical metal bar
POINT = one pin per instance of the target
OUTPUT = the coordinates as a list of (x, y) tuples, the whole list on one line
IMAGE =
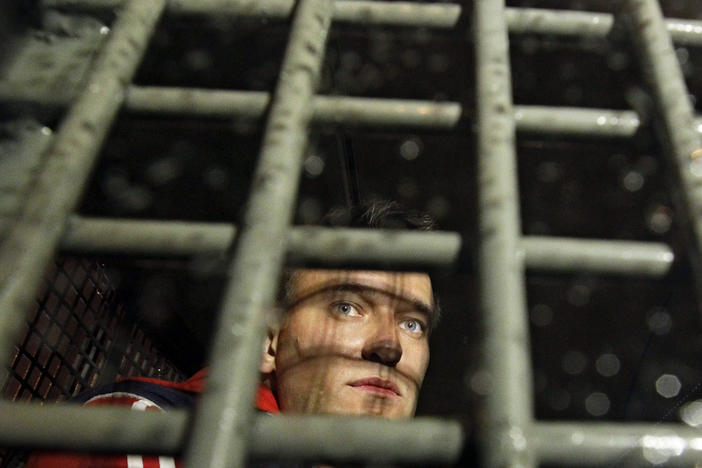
[(36, 231), (224, 416), (676, 119), (509, 404)]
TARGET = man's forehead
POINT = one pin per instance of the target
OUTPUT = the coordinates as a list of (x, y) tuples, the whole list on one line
[(410, 286)]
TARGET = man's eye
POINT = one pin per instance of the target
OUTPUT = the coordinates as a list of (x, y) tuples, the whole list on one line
[(344, 308), (413, 326)]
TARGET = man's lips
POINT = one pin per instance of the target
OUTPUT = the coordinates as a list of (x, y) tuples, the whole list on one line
[(377, 385)]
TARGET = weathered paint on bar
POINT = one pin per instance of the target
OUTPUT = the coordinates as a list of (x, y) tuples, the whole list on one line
[(597, 256), (321, 246), (349, 11), (224, 414), (442, 15), (674, 117), (616, 444), (508, 406), (375, 112), (576, 121), (37, 229), (284, 437), (328, 110)]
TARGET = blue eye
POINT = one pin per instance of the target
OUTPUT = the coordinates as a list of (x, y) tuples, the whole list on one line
[(349, 310), (413, 326)]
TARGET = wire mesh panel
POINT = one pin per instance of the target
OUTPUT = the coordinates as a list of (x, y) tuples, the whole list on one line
[(59, 333), (181, 157), (78, 337), (73, 340)]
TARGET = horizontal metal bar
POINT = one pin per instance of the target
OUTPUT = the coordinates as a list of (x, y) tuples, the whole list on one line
[(334, 247), (146, 237), (381, 248), (590, 24), (67, 427), (70, 427), (376, 440), (615, 444), (601, 256), (445, 15), (375, 112), (348, 11), (329, 110), (558, 22), (575, 121), (306, 245), (684, 31), (398, 13), (583, 24)]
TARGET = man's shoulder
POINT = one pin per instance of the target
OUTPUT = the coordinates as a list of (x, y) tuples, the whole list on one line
[(136, 394)]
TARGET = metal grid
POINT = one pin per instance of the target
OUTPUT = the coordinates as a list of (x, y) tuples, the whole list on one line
[(511, 436), (78, 336)]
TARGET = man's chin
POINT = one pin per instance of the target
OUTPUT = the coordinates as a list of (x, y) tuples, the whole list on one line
[(369, 407)]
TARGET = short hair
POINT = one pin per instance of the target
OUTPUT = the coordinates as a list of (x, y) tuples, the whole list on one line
[(379, 214), (376, 214)]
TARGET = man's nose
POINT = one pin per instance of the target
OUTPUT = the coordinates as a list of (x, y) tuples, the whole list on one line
[(383, 347)]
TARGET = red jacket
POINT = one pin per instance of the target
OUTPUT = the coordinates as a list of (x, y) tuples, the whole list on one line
[(141, 394)]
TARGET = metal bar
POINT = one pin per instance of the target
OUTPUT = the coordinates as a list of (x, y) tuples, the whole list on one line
[(421, 440), (300, 437), (548, 120), (398, 13), (577, 121), (597, 256), (349, 11), (580, 24), (197, 102), (558, 22), (380, 248), (380, 112), (70, 427), (306, 245), (330, 110), (615, 444), (35, 233), (684, 31), (370, 248), (224, 415), (446, 15), (146, 237), (675, 114), (508, 406)]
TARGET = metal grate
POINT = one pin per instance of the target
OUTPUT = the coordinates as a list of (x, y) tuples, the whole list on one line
[(63, 348), (510, 435), (78, 337)]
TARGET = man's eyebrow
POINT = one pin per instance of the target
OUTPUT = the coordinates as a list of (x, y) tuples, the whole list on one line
[(360, 288)]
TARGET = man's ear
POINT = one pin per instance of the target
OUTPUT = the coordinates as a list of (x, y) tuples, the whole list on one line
[(270, 345)]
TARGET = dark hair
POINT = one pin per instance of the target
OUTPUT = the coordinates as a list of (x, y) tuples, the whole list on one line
[(379, 214), (376, 214)]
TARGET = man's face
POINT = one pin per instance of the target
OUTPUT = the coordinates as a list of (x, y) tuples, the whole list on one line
[(353, 342)]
